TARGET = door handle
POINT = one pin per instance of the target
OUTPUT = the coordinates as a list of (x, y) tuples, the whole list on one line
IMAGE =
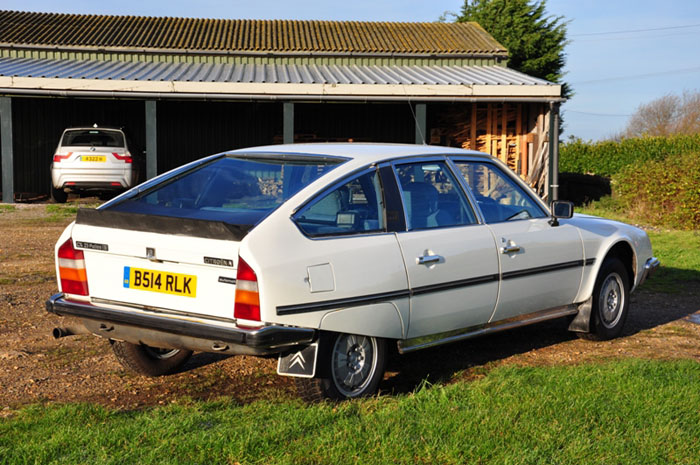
[(510, 248), (428, 259)]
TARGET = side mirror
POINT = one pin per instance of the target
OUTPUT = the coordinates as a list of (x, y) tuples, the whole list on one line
[(561, 209)]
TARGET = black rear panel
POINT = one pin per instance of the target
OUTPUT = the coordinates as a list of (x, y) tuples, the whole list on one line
[(162, 224)]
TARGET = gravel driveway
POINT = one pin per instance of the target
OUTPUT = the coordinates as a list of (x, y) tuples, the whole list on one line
[(35, 368)]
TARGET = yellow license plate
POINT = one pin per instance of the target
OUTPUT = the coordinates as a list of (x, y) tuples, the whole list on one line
[(100, 158), (160, 281)]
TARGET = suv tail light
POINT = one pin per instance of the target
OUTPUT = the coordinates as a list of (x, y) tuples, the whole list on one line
[(126, 158), (71, 269), (58, 157), (247, 302)]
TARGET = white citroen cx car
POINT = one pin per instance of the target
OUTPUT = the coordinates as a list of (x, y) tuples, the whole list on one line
[(95, 159), (328, 254)]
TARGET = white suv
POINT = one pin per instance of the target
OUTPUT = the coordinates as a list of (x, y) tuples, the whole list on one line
[(93, 159)]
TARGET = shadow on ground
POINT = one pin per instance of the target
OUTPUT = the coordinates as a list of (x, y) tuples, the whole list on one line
[(441, 364)]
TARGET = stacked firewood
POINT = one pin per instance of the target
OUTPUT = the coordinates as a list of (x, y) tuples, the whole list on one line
[(455, 129)]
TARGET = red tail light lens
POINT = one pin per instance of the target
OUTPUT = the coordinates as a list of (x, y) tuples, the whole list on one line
[(126, 158), (58, 157), (71, 269), (247, 303)]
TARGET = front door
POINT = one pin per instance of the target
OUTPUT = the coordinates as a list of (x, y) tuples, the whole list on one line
[(540, 265)]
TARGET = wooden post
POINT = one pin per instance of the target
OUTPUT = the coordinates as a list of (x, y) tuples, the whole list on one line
[(504, 133), (472, 137), (489, 127), (494, 132)]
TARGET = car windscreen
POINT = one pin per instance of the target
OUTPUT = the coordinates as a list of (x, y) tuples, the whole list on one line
[(235, 190), (92, 138)]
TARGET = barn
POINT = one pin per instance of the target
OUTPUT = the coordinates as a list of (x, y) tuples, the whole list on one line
[(183, 88)]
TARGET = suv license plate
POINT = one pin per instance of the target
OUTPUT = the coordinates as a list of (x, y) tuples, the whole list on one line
[(160, 281), (99, 158)]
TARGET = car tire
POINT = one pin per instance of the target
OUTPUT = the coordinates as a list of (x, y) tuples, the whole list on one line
[(149, 361), (58, 195), (350, 367), (610, 304)]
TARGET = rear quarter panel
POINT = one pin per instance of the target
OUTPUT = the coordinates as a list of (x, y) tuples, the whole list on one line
[(356, 266)]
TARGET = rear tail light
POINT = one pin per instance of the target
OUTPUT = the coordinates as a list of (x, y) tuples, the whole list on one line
[(58, 157), (71, 269), (115, 184), (247, 304), (126, 158)]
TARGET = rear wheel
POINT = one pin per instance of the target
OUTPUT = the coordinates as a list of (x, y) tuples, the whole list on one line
[(350, 366), (58, 195), (610, 302), (149, 361)]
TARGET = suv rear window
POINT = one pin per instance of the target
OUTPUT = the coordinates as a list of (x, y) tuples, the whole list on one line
[(92, 138), (234, 190)]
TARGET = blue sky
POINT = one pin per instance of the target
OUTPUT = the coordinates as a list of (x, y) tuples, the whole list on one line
[(612, 74)]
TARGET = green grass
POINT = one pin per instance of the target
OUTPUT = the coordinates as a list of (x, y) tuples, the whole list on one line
[(621, 412), (6, 208), (62, 209), (678, 251), (59, 212)]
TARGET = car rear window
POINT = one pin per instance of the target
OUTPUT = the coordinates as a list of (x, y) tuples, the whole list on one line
[(235, 190), (92, 138)]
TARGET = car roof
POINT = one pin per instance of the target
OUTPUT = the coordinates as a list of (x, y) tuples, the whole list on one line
[(361, 152), (92, 128)]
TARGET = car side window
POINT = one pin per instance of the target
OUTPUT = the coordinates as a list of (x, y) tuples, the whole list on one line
[(431, 196), (355, 207), (498, 196)]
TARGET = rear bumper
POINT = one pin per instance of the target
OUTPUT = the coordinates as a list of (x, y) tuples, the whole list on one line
[(92, 178), (169, 332)]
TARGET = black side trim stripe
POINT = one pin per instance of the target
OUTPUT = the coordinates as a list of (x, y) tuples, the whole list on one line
[(382, 297), (542, 269), (454, 284), (340, 303)]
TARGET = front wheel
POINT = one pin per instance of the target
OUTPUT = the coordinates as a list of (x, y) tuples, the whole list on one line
[(610, 302), (149, 361), (350, 366)]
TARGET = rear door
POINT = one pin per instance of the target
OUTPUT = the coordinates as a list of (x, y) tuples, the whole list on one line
[(450, 258), (94, 149)]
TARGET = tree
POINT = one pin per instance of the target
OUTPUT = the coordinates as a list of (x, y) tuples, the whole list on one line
[(535, 40), (666, 115)]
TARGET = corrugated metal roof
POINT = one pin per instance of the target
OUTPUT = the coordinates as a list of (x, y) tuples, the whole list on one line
[(269, 73), (281, 36)]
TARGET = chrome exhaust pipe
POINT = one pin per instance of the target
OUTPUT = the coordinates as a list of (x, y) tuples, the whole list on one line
[(69, 331)]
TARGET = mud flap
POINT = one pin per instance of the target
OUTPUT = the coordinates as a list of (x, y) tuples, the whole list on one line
[(582, 322), (301, 364)]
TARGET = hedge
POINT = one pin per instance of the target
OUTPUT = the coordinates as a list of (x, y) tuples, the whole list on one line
[(607, 158), (664, 192)]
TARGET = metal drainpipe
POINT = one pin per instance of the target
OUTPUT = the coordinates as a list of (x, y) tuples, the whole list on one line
[(553, 191)]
